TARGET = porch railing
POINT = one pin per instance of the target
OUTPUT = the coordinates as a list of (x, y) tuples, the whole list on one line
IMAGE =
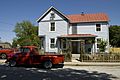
[(100, 57)]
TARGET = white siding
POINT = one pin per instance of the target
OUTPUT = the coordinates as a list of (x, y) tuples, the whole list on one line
[(90, 28), (61, 29), (47, 17)]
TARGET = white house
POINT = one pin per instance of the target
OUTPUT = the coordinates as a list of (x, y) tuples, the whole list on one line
[(58, 31)]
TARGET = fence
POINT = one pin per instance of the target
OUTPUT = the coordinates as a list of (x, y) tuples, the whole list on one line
[(101, 57), (115, 50)]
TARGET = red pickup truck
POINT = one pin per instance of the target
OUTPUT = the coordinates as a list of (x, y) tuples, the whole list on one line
[(30, 55), (4, 52)]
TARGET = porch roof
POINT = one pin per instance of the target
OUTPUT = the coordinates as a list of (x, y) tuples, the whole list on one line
[(77, 35)]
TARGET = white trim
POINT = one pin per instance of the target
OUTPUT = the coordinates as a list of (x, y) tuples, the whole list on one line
[(97, 42)]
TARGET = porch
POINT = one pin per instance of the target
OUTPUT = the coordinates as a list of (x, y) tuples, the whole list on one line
[(74, 45)]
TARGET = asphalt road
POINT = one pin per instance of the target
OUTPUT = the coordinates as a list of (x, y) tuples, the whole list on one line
[(66, 73)]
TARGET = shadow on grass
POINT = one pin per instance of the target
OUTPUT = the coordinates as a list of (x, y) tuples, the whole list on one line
[(33, 73)]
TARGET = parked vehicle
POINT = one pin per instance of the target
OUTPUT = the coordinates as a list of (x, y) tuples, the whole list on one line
[(4, 52), (30, 55)]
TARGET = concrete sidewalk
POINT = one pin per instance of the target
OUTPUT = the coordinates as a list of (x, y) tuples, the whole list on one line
[(78, 63), (2, 61)]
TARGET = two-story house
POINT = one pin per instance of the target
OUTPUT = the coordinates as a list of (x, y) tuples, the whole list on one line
[(59, 32)]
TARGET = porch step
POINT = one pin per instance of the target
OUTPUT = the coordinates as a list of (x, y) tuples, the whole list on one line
[(75, 56)]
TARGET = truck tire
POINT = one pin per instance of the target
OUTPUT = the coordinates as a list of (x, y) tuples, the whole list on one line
[(3, 56), (12, 63), (47, 64)]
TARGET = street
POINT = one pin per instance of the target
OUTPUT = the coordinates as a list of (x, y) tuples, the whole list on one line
[(66, 73)]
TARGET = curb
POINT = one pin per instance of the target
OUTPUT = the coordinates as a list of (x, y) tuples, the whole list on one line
[(91, 64), (2, 61), (84, 63)]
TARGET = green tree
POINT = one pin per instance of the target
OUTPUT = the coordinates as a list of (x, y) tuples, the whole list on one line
[(114, 32), (26, 34), (102, 45)]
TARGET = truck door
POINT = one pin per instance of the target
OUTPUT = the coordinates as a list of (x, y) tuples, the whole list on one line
[(24, 58), (34, 56)]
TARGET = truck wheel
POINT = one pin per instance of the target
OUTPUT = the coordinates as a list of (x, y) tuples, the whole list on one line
[(47, 65), (3, 56), (12, 63)]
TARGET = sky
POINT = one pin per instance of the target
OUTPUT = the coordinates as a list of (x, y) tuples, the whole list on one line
[(13, 11)]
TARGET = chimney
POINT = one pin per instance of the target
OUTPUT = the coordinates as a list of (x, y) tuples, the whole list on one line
[(82, 13)]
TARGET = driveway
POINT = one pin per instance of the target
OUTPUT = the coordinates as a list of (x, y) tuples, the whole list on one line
[(66, 73)]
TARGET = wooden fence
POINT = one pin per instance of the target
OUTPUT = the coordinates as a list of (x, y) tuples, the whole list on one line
[(101, 57), (114, 50)]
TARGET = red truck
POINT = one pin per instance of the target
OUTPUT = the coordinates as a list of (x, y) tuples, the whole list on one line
[(5, 52), (30, 55)]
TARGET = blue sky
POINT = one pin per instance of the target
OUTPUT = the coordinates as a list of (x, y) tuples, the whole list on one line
[(13, 11)]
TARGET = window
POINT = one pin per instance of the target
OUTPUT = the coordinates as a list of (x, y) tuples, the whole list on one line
[(52, 26), (98, 42), (64, 44), (52, 16), (52, 43), (74, 28), (24, 50), (98, 27)]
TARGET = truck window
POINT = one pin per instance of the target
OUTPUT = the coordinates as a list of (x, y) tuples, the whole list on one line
[(24, 50)]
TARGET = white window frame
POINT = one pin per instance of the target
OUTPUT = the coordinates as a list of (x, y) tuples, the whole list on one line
[(52, 17), (97, 41), (96, 27), (50, 27), (52, 43)]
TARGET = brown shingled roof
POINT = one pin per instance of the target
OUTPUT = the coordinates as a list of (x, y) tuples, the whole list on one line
[(98, 17)]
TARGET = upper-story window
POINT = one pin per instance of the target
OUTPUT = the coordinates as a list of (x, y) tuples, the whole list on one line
[(52, 26), (98, 27), (52, 16), (74, 28)]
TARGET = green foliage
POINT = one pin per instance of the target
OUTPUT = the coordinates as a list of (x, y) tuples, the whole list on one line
[(26, 34), (102, 45), (114, 32)]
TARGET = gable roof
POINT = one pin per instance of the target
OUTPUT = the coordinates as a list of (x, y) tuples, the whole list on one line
[(98, 17), (79, 18), (51, 8)]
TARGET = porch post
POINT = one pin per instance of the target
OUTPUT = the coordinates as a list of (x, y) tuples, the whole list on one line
[(82, 42)]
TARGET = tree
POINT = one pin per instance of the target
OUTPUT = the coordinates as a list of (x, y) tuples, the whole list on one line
[(26, 34), (114, 32), (102, 45)]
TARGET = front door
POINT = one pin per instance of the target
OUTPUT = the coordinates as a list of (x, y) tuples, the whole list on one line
[(75, 48)]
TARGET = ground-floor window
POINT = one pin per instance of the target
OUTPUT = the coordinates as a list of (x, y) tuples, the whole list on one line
[(52, 43), (98, 42), (64, 44)]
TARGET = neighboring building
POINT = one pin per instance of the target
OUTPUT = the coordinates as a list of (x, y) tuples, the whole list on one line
[(5, 45), (58, 31)]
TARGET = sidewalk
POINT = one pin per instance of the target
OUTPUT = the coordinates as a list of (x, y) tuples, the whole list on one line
[(2, 61), (78, 63)]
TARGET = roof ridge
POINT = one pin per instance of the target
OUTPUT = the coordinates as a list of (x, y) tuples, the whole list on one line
[(87, 13)]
